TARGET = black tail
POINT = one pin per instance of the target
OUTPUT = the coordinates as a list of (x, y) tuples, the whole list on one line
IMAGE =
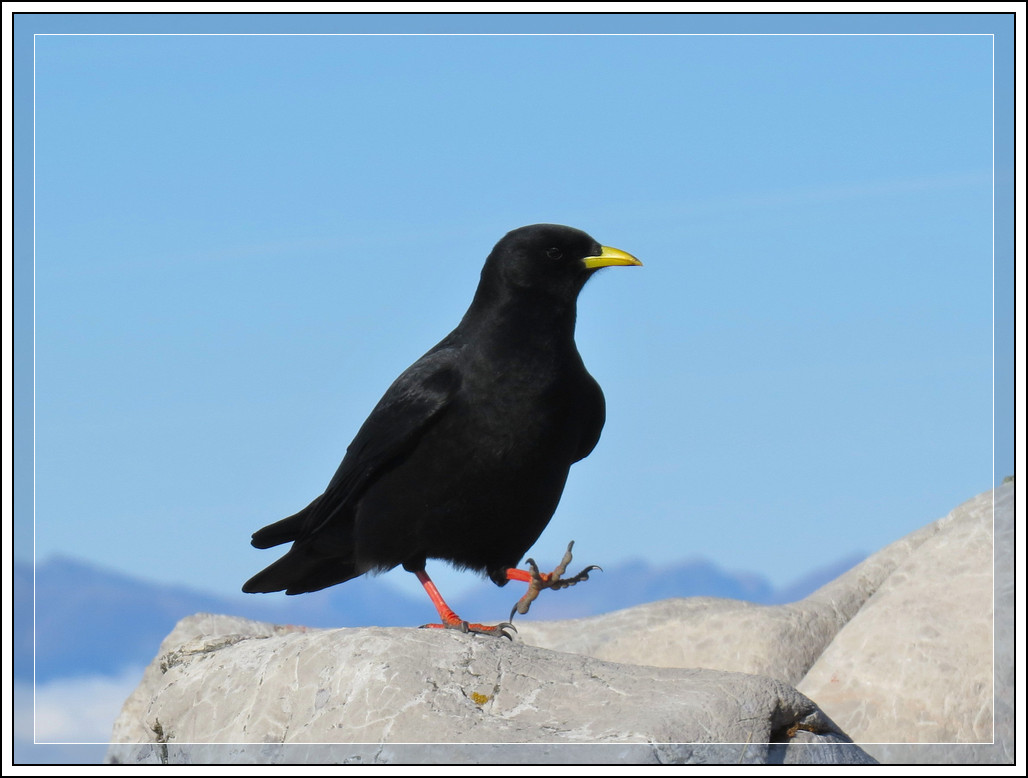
[(300, 571), (283, 530)]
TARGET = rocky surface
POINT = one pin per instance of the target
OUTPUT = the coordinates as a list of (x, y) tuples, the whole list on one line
[(226, 680), (896, 651), (925, 677), (929, 658)]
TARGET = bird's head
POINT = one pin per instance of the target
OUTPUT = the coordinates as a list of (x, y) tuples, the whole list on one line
[(551, 258)]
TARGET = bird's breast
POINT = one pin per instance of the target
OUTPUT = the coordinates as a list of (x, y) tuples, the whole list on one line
[(520, 407)]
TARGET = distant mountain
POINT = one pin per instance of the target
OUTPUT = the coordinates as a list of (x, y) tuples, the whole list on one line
[(815, 579), (92, 621)]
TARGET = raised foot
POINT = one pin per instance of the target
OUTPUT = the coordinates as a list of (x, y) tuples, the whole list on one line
[(540, 581), (499, 630)]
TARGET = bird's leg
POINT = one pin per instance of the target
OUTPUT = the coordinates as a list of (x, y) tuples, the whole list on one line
[(450, 619), (538, 581)]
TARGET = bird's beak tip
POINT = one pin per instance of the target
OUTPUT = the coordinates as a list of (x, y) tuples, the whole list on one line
[(610, 257)]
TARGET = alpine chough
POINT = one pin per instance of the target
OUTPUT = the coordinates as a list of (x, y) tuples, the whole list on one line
[(466, 455)]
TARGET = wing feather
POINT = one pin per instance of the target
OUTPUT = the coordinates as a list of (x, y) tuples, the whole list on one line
[(409, 408)]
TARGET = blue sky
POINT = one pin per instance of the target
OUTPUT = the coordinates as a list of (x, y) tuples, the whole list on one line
[(241, 240)]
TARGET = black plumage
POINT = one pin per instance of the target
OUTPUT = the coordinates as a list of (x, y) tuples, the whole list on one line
[(466, 455)]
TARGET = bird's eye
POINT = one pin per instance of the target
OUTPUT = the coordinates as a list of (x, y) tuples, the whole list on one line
[(554, 253)]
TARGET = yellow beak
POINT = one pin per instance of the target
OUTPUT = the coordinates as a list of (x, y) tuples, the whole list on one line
[(609, 257)]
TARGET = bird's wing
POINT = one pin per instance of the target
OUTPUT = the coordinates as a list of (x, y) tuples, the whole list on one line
[(415, 401)]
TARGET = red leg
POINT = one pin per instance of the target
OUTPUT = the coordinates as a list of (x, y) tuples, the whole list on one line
[(450, 619), (517, 574)]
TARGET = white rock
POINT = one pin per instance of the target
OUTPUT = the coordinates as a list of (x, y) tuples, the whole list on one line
[(224, 680), (915, 665)]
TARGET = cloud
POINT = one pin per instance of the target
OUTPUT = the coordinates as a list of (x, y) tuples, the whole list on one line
[(72, 710)]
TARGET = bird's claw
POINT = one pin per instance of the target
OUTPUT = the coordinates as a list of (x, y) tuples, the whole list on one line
[(501, 630), (552, 580)]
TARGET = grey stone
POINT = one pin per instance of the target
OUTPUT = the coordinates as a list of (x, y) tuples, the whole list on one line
[(899, 650), (917, 664), (800, 751), (259, 690)]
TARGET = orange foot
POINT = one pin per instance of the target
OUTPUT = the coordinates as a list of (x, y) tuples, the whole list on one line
[(499, 630), (451, 620), (538, 581)]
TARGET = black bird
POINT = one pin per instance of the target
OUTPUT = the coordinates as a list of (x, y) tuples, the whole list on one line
[(466, 455)]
